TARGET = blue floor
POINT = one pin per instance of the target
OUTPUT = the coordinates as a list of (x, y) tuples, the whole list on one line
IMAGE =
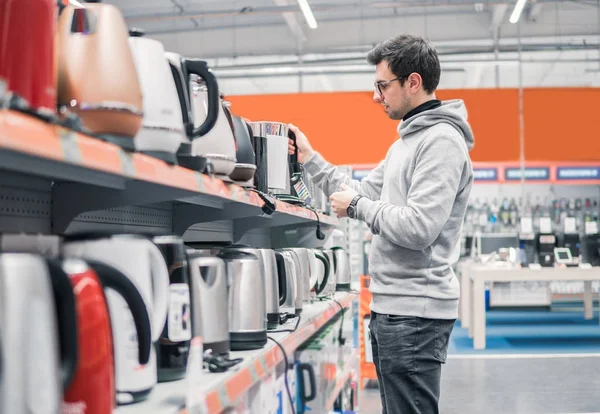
[(532, 332)]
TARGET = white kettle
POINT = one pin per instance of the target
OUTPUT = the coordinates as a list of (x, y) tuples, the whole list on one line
[(143, 263), (182, 69), (162, 130), (218, 145)]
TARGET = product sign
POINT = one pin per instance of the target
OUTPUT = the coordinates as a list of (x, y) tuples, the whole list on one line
[(578, 173), (485, 174), (531, 173)]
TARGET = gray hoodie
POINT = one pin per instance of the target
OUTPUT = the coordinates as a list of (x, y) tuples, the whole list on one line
[(414, 204)]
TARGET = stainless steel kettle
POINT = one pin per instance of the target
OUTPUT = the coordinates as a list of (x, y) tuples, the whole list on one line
[(182, 69), (209, 300), (39, 334), (297, 268), (343, 276), (247, 310), (304, 273), (162, 130), (321, 264), (331, 278), (287, 283)]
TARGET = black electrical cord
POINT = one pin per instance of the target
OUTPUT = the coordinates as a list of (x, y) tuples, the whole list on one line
[(320, 234), (287, 368), (341, 338), (288, 330)]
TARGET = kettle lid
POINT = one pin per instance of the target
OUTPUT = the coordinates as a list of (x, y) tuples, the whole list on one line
[(137, 32)]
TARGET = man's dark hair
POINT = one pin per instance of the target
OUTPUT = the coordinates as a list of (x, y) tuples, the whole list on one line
[(406, 54)]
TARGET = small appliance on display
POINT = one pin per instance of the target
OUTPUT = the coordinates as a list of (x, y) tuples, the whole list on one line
[(271, 144), (173, 346), (247, 309), (218, 145), (182, 70), (208, 291), (142, 262), (38, 322), (162, 130), (562, 256), (287, 284), (245, 167), (97, 77), (591, 249), (93, 385), (342, 269), (546, 244), (27, 56)]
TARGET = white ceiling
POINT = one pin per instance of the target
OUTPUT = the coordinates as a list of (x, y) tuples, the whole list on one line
[(262, 41)]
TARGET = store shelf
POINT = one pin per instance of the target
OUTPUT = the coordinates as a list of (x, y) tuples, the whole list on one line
[(341, 379), (223, 389), (91, 175)]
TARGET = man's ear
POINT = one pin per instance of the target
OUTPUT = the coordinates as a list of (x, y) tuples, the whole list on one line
[(414, 82)]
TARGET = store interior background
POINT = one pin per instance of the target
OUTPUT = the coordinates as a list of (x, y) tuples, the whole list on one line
[(531, 90)]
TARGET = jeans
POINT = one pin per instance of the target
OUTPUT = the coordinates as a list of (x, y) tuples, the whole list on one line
[(408, 353)]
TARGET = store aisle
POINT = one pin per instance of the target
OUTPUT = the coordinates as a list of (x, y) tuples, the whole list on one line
[(513, 384)]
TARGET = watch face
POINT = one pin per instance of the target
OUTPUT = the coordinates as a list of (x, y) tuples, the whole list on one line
[(351, 212)]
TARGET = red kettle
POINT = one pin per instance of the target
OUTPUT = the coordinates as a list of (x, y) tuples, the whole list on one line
[(27, 53), (92, 390)]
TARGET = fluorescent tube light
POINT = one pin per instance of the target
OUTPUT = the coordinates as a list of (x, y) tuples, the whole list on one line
[(308, 14), (75, 3), (516, 14)]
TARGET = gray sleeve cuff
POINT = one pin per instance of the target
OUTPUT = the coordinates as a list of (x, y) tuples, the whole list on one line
[(362, 207), (315, 164)]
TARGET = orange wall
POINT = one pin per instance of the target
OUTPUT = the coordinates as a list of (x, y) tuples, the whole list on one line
[(349, 128)]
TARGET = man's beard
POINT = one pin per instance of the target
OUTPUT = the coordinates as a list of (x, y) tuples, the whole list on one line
[(398, 114)]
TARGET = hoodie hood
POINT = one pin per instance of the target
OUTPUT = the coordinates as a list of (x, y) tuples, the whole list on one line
[(452, 112)]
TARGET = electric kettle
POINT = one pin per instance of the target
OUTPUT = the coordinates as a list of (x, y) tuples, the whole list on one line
[(245, 166), (297, 269), (97, 78), (304, 273), (209, 300), (268, 266), (39, 334), (320, 264), (331, 280), (93, 388), (342, 269), (27, 52), (173, 346), (162, 130), (247, 310), (141, 261), (287, 283), (182, 70), (217, 145)]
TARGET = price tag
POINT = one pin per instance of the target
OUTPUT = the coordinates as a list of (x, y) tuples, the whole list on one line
[(195, 399), (526, 225), (483, 219), (545, 225), (591, 227), (570, 225)]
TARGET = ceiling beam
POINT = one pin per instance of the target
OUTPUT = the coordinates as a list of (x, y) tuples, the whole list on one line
[(293, 23), (497, 18)]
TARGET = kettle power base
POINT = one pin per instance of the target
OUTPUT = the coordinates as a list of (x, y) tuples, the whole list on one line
[(218, 348), (192, 162), (122, 141), (247, 341), (165, 156), (170, 374), (134, 397), (342, 287)]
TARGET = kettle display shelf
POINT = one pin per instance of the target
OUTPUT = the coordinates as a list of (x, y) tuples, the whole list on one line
[(222, 390), (89, 174)]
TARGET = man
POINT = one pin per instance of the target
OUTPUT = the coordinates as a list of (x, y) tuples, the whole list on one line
[(414, 203)]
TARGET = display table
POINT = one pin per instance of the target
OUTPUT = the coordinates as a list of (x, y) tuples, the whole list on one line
[(473, 282)]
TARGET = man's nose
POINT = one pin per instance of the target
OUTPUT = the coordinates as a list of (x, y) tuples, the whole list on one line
[(376, 97)]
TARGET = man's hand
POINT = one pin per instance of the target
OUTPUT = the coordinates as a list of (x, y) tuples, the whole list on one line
[(305, 151), (341, 200)]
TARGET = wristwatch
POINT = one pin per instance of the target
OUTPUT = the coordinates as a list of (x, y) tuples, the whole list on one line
[(351, 210)]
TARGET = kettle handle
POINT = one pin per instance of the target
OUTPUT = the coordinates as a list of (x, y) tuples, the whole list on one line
[(114, 279), (67, 321), (200, 68), (282, 280), (160, 290), (325, 261), (293, 158), (308, 368)]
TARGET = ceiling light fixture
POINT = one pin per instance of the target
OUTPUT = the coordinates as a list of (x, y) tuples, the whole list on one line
[(76, 4), (308, 14), (516, 14)]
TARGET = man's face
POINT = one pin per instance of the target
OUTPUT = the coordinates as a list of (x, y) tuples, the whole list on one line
[(394, 97)]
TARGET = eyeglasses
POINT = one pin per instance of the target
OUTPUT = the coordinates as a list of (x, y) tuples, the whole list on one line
[(381, 85)]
